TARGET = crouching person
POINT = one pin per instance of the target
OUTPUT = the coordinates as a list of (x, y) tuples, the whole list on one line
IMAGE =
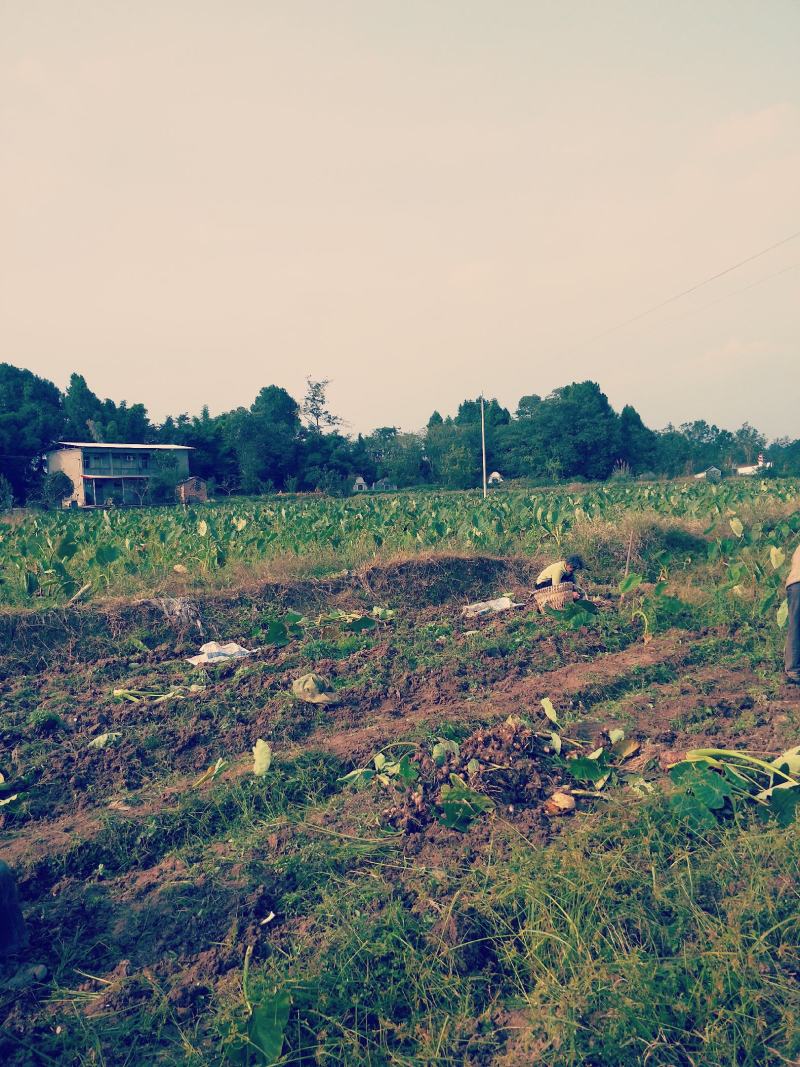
[(792, 655), (561, 572)]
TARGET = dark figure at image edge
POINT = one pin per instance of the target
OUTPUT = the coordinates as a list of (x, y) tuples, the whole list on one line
[(13, 936), (792, 655)]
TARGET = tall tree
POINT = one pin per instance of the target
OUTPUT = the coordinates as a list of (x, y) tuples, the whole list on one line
[(749, 442), (469, 412), (265, 439), (638, 446), (83, 411), (315, 406)]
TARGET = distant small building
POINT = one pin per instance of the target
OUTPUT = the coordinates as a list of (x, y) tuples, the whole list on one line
[(359, 486), (192, 491), (754, 468), (106, 474), (383, 485), (712, 474), (495, 478)]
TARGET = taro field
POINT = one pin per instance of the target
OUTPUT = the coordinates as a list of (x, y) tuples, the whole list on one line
[(392, 832)]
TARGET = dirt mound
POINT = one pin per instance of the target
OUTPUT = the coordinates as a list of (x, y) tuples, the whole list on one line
[(434, 580), (508, 764)]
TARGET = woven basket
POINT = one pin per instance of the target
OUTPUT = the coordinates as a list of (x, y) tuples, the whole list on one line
[(554, 596)]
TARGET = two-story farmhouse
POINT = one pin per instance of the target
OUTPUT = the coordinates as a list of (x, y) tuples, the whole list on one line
[(106, 474)]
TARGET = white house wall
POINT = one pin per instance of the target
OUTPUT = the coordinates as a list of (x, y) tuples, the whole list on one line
[(70, 461)]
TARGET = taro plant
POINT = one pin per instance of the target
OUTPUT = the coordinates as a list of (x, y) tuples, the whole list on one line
[(257, 1040), (711, 782), (385, 770)]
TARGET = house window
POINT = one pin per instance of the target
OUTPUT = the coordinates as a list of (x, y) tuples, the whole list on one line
[(144, 461)]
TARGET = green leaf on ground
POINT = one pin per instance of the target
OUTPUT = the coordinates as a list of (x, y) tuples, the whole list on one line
[(460, 806), (703, 783), (103, 740)]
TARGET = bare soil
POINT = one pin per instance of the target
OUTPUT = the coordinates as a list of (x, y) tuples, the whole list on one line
[(166, 933)]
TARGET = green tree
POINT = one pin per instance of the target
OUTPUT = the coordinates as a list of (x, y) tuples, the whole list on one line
[(163, 480), (638, 446), (528, 406), (469, 413), (31, 420), (580, 430), (83, 412), (749, 443), (265, 438), (459, 469), (573, 432), (315, 406)]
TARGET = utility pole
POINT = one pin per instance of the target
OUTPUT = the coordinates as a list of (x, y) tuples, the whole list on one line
[(483, 446)]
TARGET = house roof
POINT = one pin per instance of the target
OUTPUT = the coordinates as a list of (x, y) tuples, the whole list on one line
[(126, 448)]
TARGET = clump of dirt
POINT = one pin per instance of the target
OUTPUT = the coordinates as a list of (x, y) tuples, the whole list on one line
[(508, 763)]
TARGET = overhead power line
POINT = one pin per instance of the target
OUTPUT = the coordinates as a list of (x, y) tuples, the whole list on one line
[(694, 288), (736, 292)]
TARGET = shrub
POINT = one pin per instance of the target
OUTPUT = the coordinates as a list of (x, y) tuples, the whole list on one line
[(56, 487)]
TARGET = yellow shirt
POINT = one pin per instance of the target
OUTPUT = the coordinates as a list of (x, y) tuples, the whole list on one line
[(555, 572), (794, 573)]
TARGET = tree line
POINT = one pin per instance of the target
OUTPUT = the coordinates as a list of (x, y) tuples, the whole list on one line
[(280, 443)]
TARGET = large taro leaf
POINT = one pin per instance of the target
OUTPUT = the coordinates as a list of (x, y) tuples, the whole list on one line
[(708, 787), (783, 804), (584, 769), (776, 557), (688, 809), (578, 613), (267, 1025), (105, 555), (789, 761), (66, 547), (629, 583)]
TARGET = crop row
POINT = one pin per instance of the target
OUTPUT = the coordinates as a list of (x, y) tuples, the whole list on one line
[(64, 554)]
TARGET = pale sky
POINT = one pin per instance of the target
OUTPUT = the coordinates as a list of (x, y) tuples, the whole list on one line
[(419, 199)]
